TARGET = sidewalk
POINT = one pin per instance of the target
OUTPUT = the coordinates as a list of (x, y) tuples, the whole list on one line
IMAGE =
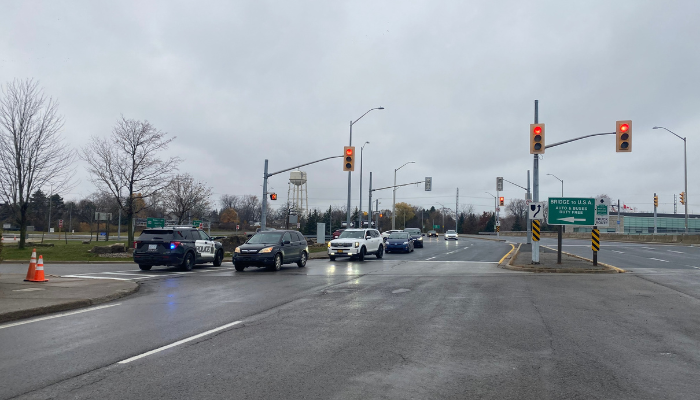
[(521, 260), (19, 299)]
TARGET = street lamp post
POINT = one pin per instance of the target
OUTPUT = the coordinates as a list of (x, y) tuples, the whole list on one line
[(350, 172), (562, 184), (359, 216), (685, 166), (495, 207), (393, 202)]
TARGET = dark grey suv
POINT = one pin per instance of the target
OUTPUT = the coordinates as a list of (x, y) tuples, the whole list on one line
[(272, 249)]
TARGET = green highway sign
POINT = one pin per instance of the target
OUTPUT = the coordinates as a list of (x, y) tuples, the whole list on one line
[(196, 223), (155, 222), (436, 226), (571, 211)]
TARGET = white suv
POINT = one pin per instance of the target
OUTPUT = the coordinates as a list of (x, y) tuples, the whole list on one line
[(356, 243)]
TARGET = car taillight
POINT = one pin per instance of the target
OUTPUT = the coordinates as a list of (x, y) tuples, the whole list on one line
[(174, 245), (136, 243)]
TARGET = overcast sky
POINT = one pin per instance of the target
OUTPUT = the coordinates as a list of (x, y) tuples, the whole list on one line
[(239, 82)]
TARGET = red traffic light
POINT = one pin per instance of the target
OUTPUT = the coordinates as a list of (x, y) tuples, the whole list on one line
[(348, 152), (273, 196), (537, 130), (624, 127)]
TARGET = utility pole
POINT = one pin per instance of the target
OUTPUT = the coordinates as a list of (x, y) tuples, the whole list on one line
[(369, 214), (528, 197), (536, 190), (457, 212)]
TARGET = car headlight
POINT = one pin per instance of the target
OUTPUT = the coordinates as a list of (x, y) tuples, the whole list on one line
[(237, 250), (267, 249), (357, 244), (329, 244), (420, 238)]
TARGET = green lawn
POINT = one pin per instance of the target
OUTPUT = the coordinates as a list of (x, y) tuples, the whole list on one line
[(73, 251), (317, 249)]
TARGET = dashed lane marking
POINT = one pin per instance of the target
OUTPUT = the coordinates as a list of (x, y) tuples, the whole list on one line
[(179, 342), (658, 259), (620, 252), (678, 252)]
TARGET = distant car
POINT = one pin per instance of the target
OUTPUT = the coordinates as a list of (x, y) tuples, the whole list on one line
[(432, 233), (182, 246), (451, 235), (416, 235), (399, 241), (272, 249), (386, 234), (337, 233)]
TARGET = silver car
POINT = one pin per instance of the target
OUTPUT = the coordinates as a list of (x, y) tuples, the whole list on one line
[(451, 235)]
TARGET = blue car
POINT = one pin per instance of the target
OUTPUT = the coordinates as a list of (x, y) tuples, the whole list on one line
[(399, 241)]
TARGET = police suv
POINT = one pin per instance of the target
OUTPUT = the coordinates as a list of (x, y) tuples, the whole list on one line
[(182, 246)]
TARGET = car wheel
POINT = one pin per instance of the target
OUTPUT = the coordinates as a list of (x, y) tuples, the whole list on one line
[(332, 258), (218, 258), (302, 261), (239, 267), (278, 262), (145, 267), (380, 252), (187, 262), (361, 256)]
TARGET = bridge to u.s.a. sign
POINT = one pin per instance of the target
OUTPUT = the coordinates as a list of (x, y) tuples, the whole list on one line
[(571, 211)]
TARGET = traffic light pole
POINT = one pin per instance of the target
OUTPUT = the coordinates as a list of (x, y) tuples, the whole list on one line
[(536, 191), (655, 213), (263, 213)]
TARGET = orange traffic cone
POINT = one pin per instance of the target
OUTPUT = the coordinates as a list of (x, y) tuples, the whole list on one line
[(39, 275), (32, 267)]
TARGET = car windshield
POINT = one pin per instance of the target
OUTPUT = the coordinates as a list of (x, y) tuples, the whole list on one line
[(399, 235), (352, 235), (414, 231), (451, 232), (266, 237)]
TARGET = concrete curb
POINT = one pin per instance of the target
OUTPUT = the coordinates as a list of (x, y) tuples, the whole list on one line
[(508, 258), (69, 262), (612, 268), (68, 305)]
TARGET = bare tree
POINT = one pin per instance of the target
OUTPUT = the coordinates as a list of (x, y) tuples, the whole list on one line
[(230, 201), (126, 165), (32, 151), (518, 209), (183, 194)]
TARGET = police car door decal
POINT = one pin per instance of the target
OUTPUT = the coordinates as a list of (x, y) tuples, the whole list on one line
[(204, 247)]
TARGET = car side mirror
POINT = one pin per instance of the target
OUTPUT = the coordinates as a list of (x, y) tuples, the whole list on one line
[(368, 237)]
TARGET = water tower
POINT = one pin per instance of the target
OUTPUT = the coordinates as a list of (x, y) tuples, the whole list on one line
[(298, 195)]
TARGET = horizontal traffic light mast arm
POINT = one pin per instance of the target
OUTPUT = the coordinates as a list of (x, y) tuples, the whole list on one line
[(391, 187), (308, 163), (515, 184), (578, 138)]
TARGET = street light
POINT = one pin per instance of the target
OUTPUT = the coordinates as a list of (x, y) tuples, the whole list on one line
[(685, 163), (359, 216), (350, 172), (443, 217), (393, 202), (562, 184)]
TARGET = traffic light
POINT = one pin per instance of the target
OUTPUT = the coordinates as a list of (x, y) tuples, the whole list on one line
[(536, 138), (623, 133), (501, 200), (683, 198), (381, 215), (349, 158), (656, 201), (273, 196)]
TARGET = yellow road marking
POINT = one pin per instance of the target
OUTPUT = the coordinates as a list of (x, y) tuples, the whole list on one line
[(512, 247)]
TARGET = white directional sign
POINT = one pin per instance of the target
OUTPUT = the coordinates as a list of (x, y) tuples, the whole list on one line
[(602, 211), (536, 211)]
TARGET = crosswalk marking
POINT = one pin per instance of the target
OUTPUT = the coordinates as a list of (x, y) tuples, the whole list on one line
[(135, 275)]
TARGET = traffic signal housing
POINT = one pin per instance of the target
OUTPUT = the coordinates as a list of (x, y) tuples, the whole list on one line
[(349, 158), (683, 198), (623, 135), (536, 138), (501, 201), (273, 196), (656, 201)]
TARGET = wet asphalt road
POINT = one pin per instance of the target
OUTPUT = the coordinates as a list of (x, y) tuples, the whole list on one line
[(441, 322)]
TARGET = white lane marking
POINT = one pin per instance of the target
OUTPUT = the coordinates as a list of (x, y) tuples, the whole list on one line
[(615, 251), (28, 290), (673, 251), (96, 277), (179, 342), (401, 290), (126, 273), (431, 258), (658, 259), (648, 248), (476, 262), (57, 316)]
